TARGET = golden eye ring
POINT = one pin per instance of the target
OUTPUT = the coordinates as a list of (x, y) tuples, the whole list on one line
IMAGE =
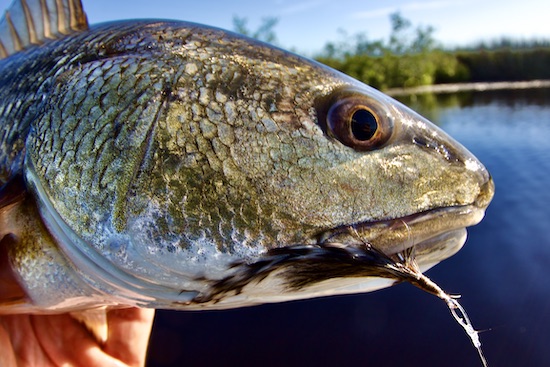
[(358, 121)]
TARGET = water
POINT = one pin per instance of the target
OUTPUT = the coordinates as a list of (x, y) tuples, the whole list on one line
[(503, 273)]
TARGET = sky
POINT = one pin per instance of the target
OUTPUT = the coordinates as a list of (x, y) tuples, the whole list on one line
[(307, 25)]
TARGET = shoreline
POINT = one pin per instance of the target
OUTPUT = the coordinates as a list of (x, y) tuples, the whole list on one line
[(467, 87)]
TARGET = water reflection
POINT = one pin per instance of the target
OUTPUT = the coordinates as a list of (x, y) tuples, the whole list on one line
[(502, 272), (432, 105)]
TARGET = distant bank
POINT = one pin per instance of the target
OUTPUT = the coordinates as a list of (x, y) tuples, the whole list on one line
[(464, 87), (412, 58)]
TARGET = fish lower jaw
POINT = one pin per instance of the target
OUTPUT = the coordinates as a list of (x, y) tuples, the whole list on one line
[(429, 253)]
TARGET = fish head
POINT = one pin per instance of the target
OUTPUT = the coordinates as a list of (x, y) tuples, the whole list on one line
[(416, 185), (239, 166)]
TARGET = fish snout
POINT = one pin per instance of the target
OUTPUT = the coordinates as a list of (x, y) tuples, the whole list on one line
[(461, 171)]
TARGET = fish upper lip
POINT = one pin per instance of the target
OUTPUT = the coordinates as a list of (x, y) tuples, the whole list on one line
[(397, 234)]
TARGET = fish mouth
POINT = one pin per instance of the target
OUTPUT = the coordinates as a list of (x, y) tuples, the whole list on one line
[(355, 258), (431, 236)]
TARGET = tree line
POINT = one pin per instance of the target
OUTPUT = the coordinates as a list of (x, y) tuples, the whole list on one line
[(411, 56)]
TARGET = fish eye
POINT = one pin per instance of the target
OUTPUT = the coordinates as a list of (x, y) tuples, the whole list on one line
[(359, 122)]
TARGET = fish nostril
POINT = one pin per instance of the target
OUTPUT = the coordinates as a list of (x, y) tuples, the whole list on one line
[(444, 150), (420, 142)]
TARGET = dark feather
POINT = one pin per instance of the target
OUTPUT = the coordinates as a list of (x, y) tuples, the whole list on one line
[(303, 266)]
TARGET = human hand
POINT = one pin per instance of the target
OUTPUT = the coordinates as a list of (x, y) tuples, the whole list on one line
[(60, 340)]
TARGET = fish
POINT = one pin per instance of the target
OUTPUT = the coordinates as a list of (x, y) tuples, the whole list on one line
[(172, 165)]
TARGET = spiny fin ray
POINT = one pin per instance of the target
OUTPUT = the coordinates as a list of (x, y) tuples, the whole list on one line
[(33, 22)]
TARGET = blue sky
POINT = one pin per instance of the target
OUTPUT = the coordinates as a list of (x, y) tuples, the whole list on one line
[(306, 25)]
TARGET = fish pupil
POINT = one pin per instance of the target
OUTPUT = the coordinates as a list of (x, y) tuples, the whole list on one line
[(363, 125)]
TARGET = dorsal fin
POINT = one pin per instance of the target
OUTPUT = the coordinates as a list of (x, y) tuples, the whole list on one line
[(32, 22)]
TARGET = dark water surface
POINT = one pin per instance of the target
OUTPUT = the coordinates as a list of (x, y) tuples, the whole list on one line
[(503, 273)]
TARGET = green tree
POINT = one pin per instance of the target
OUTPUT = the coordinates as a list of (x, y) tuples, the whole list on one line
[(398, 42), (265, 32)]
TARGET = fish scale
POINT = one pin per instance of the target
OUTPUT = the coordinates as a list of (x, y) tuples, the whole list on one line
[(95, 146)]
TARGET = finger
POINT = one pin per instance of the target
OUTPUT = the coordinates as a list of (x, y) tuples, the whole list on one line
[(129, 332), (10, 290), (22, 342), (67, 342), (7, 356)]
